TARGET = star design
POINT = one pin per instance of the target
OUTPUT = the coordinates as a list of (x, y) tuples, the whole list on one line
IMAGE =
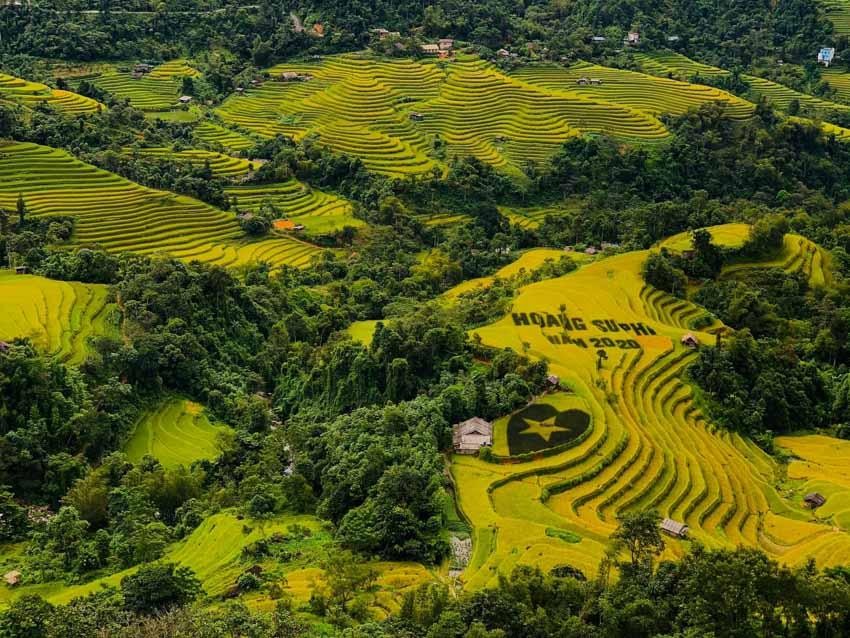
[(545, 428)]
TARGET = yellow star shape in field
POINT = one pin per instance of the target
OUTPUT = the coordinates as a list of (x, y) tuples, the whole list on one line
[(544, 428)]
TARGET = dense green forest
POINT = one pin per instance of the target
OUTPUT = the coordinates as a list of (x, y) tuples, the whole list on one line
[(354, 434)]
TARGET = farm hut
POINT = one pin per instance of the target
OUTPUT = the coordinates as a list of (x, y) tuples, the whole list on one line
[(632, 38), (12, 578), (583, 81), (503, 53), (553, 381), (596, 81), (240, 90), (590, 250), (254, 83), (417, 117), (288, 76), (826, 55), (298, 227), (21, 270), (185, 99), (446, 44), (142, 68), (430, 49), (690, 341), (471, 435), (814, 500), (673, 38), (381, 32), (674, 528), (597, 39)]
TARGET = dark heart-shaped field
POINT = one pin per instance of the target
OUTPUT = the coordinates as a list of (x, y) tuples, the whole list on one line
[(541, 426)]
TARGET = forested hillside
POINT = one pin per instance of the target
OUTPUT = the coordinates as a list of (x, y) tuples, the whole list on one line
[(440, 319)]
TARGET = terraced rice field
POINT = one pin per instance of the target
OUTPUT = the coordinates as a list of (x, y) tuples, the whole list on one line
[(31, 94), (120, 215), (214, 552), (839, 80), (213, 134), (649, 446), (798, 254), (820, 465), (838, 12), (319, 212), (647, 93), (221, 165), (177, 432), (155, 91), (363, 106), (533, 217), (527, 262), (676, 65), (57, 316)]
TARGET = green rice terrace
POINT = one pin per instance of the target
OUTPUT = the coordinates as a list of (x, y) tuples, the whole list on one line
[(120, 215), (176, 432)]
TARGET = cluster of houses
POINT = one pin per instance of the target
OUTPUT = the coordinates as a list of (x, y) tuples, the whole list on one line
[(444, 48)]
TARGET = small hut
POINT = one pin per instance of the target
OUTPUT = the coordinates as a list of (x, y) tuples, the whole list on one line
[(690, 341), (596, 81), (814, 500), (597, 39), (288, 76), (583, 81), (185, 99), (21, 270), (674, 528), (553, 381), (431, 49), (471, 435), (503, 53), (417, 117), (632, 38), (240, 90), (446, 44), (12, 578)]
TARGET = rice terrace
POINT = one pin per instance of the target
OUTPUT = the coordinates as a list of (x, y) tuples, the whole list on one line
[(468, 319)]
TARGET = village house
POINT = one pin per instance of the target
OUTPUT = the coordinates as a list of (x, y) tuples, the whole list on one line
[(471, 435), (674, 528), (597, 39), (690, 341), (21, 270), (12, 578), (446, 44), (826, 55), (814, 500), (430, 49), (184, 99), (381, 32), (554, 382), (142, 69), (632, 38), (503, 53)]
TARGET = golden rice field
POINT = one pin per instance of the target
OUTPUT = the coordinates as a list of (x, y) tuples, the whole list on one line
[(532, 217), (668, 63), (57, 316), (363, 106), (176, 432), (819, 464), (798, 255), (215, 135), (120, 215), (225, 166), (31, 94), (649, 445), (647, 93)]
